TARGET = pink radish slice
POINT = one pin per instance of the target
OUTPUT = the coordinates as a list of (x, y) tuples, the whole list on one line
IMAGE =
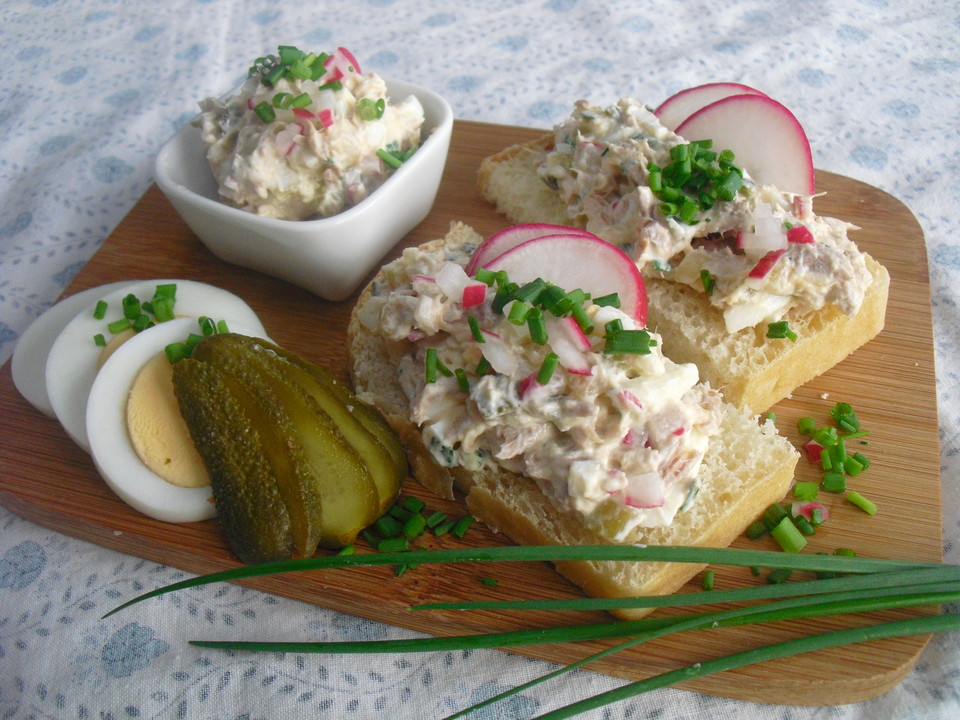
[(644, 491), (765, 264), (507, 239), (766, 138), (582, 262), (567, 340), (800, 234), (678, 107)]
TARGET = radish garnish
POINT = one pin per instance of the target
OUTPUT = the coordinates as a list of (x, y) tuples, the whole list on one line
[(568, 341), (498, 353), (800, 234), (644, 491), (452, 280), (813, 449), (765, 264), (507, 239), (628, 397), (583, 262), (303, 113), (474, 295), (805, 509), (679, 106), (326, 117)]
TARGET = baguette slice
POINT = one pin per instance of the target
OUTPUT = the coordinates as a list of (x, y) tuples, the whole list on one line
[(747, 467), (751, 371)]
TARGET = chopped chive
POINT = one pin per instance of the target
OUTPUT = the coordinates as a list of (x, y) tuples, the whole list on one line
[(265, 112), (708, 580), (430, 371), (301, 100), (99, 340), (483, 367), (435, 518), (806, 425), (582, 319), (788, 536), (119, 325), (162, 308), (757, 529), (393, 544), (708, 281), (611, 300), (413, 504), (547, 368), (773, 515), (781, 329), (461, 526), (130, 306), (141, 323), (389, 158), (844, 552), (387, 526), (804, 525), (475, 329), (862, 459), (347, 550), (633, 342), (462, 380), (487, 277), (806, 490), (100, 310), (443, 528), (415, 526), (538, 331), (176, 352), (816, 517), (222, 327), (834, 482), (489, 581), (852, 466), (868, 506), (518, 312), (780, 575)]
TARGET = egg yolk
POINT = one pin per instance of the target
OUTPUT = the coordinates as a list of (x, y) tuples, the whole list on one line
[(158, 431)]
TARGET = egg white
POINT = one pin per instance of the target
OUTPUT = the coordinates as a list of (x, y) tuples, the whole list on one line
[(71, 365), (29, 361), (110, 445)]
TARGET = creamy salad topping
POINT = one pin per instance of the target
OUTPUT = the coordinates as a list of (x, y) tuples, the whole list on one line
[(619, 439), (758, 255), (307, 135)]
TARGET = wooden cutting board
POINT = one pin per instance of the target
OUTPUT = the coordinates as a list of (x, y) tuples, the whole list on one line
[(45, 478)]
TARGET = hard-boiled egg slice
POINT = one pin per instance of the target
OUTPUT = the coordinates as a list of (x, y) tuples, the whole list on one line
[(74, 358), (111, 446), (29, 361)]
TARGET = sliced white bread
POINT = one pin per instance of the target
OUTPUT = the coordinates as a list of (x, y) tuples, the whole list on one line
[(752, 371), (747, 467)]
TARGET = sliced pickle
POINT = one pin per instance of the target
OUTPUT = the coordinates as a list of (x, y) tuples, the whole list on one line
[(253, 515), (375, 455), (266, 412), (349, 497), (368, 416)]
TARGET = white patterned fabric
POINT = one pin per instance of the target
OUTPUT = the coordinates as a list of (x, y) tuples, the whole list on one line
[(90, 90)]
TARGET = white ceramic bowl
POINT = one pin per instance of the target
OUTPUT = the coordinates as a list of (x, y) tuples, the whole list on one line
[(330, 256)]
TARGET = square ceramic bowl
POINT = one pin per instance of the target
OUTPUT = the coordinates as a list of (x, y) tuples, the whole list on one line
[(330, 256)]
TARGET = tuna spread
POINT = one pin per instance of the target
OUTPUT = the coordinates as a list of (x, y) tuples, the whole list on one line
[(758, 254), (307, 135), (619, 438)]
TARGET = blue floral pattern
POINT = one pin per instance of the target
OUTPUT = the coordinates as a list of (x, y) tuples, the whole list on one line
[(91, 90)]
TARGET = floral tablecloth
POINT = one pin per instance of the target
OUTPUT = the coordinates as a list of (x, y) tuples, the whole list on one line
[(90, 90)]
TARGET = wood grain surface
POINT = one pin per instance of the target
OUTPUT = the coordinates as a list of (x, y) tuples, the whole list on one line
[(46, 479)]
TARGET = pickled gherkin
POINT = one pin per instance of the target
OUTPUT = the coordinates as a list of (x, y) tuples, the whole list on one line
[(362, 427), (253, 516), (334, 464)]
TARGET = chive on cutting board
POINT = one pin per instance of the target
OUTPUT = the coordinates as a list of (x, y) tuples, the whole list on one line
[(48, 480)]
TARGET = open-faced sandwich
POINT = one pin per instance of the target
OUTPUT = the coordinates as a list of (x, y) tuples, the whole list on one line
[(711, 195), (519, 372)]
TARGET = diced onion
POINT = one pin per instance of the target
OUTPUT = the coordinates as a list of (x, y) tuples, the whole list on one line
[(644, 491)]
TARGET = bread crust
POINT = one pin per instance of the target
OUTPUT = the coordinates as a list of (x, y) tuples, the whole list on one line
[(752, 372), (748, 467)]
